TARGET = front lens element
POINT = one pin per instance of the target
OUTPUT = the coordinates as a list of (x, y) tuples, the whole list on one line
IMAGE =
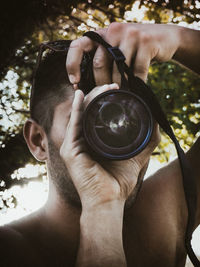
[(117, 124)]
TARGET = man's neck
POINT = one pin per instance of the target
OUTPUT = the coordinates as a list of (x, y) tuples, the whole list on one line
[(61, 217)]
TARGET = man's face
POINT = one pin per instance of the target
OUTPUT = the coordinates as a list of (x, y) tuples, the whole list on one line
[(57, 170), (56, 167)]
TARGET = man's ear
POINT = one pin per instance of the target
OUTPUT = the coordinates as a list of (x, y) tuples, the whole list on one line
[(36, 140)]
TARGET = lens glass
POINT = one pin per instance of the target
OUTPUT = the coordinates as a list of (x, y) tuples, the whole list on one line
[(117, 123)]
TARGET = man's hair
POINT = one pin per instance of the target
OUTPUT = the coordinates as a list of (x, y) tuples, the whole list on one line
[(51, 87)]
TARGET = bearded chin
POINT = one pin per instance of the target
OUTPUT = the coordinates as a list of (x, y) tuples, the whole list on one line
[(61, 178)]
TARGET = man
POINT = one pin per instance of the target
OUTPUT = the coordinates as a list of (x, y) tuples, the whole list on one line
[(85, 221)]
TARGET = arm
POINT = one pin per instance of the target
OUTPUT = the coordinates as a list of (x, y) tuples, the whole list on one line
[(188, 52), (103, 189), (101, 236)]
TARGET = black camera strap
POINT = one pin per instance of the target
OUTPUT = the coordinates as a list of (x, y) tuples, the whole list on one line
[(141, 89)]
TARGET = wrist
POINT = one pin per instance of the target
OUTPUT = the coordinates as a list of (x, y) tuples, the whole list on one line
[(188, 49), (102, 200), (101, 242), (107, 207), (105, 218), (181, 34)]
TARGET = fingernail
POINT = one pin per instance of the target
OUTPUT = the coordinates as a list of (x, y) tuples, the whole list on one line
[(72, 78), (115, 85)]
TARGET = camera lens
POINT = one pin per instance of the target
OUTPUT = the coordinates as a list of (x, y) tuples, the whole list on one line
[(117, 124)]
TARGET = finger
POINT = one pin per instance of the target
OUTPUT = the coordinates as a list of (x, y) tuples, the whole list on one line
[(74, 149), (128, 48), (74, 57), (98, 90), (74, 125), (104, 71), (102, 63), (142, 63)]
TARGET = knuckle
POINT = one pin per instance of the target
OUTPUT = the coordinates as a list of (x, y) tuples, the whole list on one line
[(132, 32), (83, 43), (145, 38), (75, 43), (74, 153), (114, 27), (64, 153), (86, 43)]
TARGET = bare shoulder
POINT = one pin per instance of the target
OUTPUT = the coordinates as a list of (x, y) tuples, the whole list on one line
[(157, 220), (15, 248), (163, 194), (9, 234), (10, 240), (162, 198), (12, 246), (166, 184)]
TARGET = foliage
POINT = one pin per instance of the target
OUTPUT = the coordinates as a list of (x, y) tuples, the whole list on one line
[(36, 21), (178, 92)]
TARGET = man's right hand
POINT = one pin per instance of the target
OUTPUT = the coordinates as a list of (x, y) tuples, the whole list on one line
[(99, 183)]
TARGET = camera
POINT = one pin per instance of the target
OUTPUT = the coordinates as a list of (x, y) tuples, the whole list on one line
[(117, 124)]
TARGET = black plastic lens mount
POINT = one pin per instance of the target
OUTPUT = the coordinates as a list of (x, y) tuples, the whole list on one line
[(117, 125)]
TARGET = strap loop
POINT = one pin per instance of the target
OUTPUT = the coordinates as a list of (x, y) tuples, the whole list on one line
[(116, 53)]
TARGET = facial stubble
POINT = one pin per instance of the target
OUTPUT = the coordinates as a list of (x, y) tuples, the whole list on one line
[(64, 185), (60, 176)]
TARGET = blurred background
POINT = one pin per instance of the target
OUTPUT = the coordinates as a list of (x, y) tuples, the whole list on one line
[(23, 26)]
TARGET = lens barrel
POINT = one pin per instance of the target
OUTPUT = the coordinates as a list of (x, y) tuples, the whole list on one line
[(117, 125)]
